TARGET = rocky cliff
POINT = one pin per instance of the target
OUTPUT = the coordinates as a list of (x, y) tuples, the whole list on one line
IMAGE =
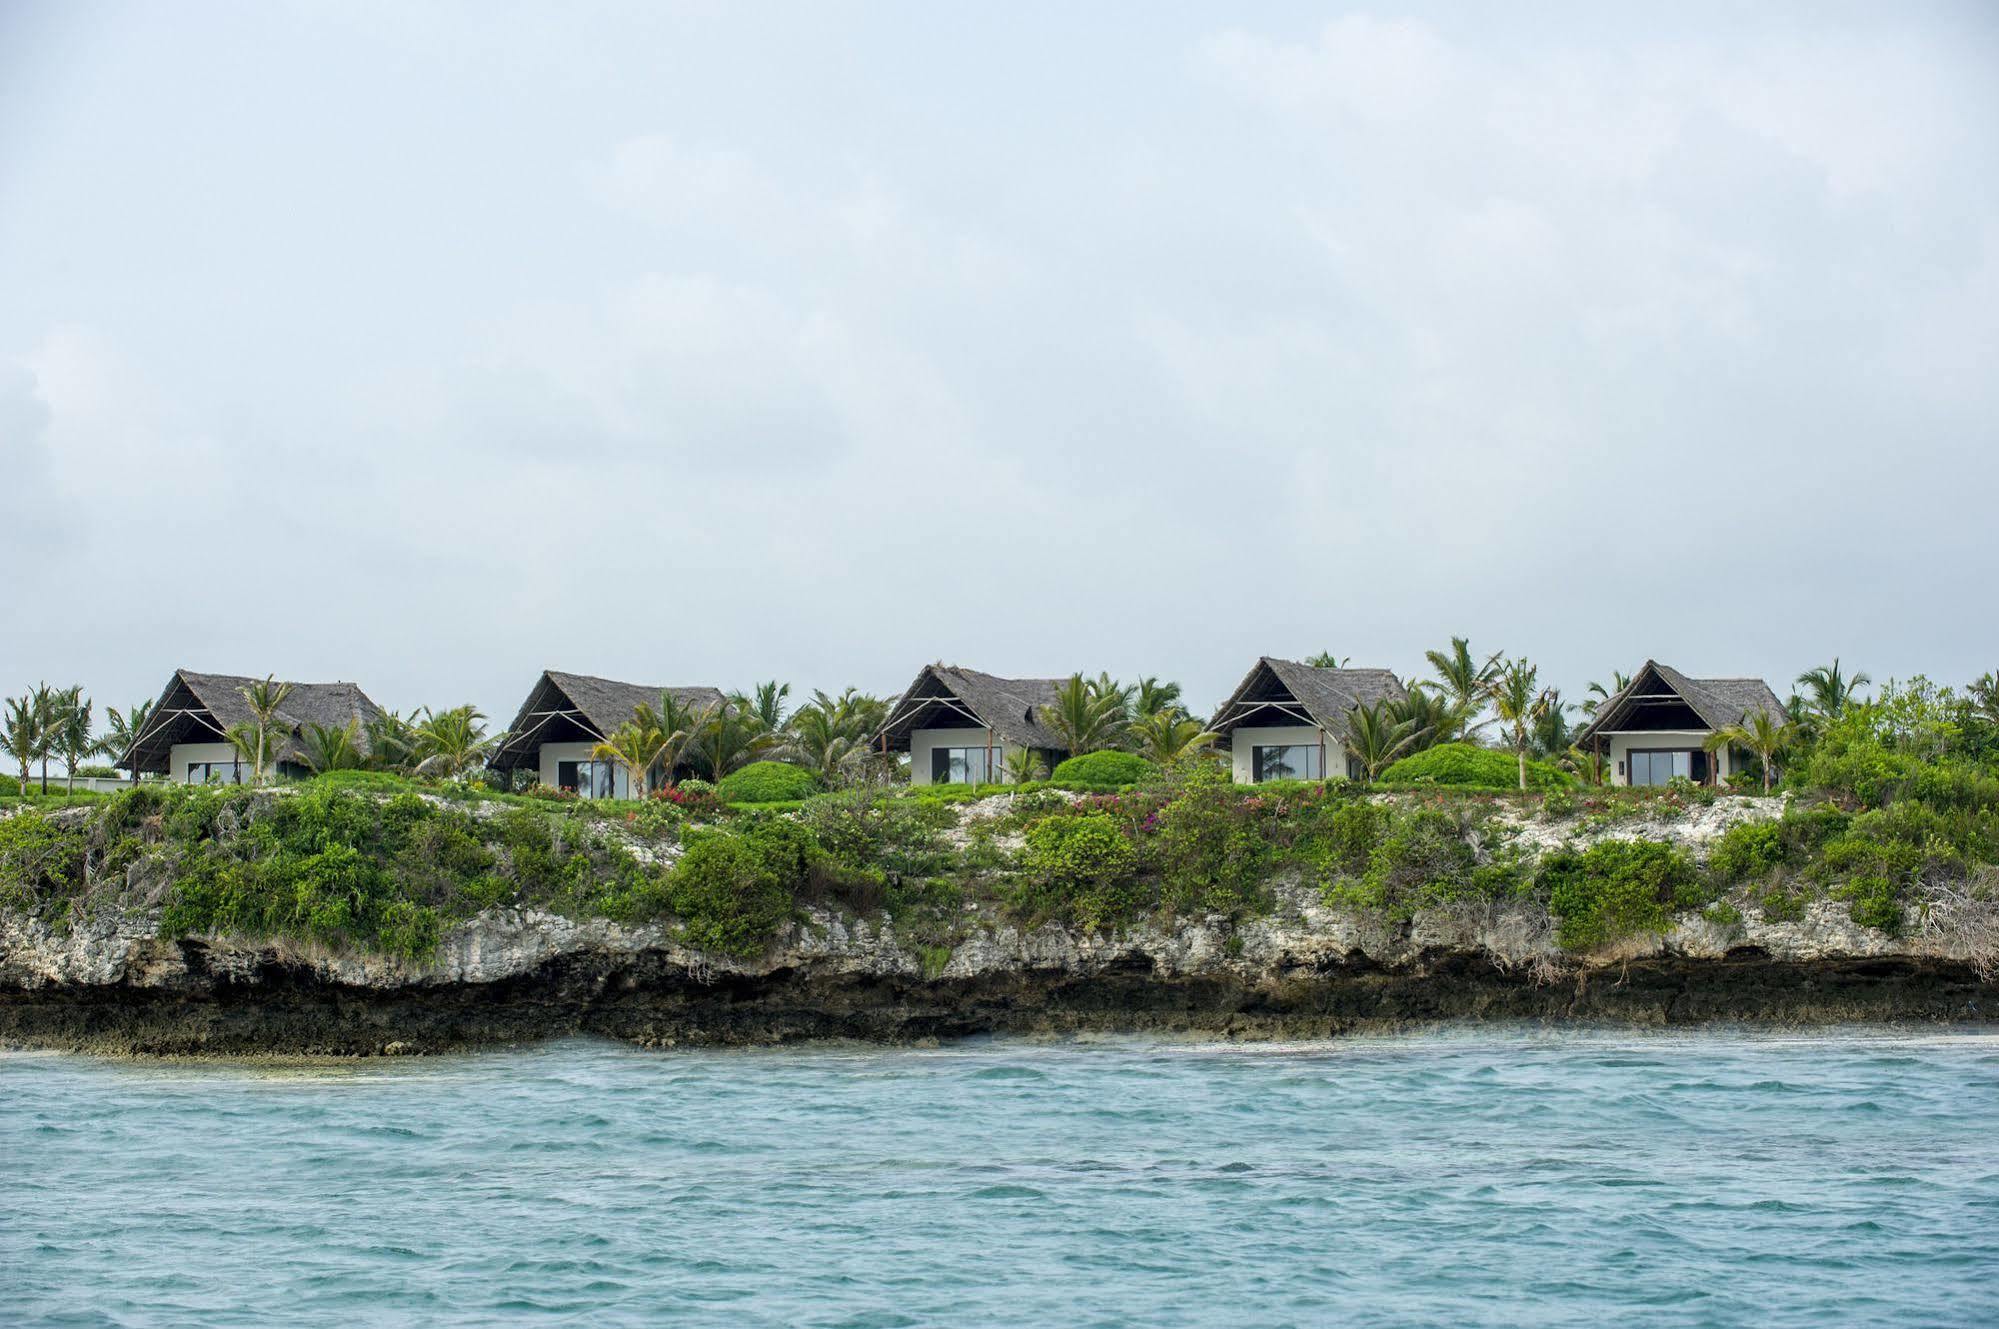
[(109, 982)]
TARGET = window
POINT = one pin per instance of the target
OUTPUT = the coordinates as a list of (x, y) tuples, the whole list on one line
[(217, 772), (1285, 761), (1657, 768), (591, 779), (965, 765)]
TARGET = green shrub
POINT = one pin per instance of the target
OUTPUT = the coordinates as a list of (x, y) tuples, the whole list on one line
[(39, 860), (1082, 868), (1103, 770), (729, 893), (1209, 843), (1466, 766), (1614, 890), (1751, 850), (768, 782)]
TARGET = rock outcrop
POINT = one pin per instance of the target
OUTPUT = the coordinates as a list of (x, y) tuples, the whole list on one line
[(109, 982)]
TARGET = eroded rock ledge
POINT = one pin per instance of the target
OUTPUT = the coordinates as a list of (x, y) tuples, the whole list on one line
[(111, 984)]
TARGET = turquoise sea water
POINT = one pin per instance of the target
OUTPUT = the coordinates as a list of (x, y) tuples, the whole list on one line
[(1474, 1177)]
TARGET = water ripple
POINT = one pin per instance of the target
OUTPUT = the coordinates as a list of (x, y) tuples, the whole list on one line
[(1474, 1177)]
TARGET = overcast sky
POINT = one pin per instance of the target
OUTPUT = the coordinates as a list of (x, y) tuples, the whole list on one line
[(433, 345)]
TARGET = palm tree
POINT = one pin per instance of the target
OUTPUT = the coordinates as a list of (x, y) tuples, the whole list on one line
[(1164, 737), (1830, 691), (819, 742), (1520, 703), (1762, 733), (453, 742), (1433, 718), (1551, 728), (679, 721), (1588, 766), (766, 705), (331, 747), (71, 740), (47, 703), (126, 726), (1153, 697), (638, 745), (392, 741), (1465, 681), (1327, 660), (1599, 693), (1024, 764), (727, 736), (1983, 693), (23, 734), (1088, 717), (1375, 738), (261, 729)]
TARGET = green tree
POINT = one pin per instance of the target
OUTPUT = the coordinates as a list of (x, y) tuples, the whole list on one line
[(1164, 736), (727, 736), (1376, 738), (23, 735), (126, 726), (392, 741), (449, 743), (1519, 702), (47, 704), (765, 706), (1829, 691), (637, 746), (1551, 735), (1024, 764), (1466, 681), (331, 747), (1600, 693), (262, 733), (71, 739), (1088, 717), (1327, 660), (1152, 697), (1433, 718), (1764, 734)]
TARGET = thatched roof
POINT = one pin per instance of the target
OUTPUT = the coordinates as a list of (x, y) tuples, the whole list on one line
[(1717, 702), (1285, 692), (201, 708), (951, 697), (570, 708)]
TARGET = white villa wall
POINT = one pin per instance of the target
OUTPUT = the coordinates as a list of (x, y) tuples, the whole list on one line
[(551, 753), (1617, 751), (1244, 741), (181, 754), (923, 741)]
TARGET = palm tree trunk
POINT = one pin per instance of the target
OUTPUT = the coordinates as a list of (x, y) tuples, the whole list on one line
[(1521, 753)]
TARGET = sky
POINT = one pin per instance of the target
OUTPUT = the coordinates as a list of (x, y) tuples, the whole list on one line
[(430, 346)]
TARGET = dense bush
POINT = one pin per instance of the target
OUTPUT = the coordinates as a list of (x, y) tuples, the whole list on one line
[(1210, 842), (731, 892), (1103, 770), (1081, 868), (768, 782), (1615, 889), (1466, 766)]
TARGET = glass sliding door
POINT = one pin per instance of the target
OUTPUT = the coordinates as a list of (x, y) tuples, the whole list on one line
[(965, 765), (589, 779), (1658, 768), (1285, 761)]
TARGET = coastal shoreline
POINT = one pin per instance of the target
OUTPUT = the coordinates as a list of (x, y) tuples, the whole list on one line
[(654, 1000)]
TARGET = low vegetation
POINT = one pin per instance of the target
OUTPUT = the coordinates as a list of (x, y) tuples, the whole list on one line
[(1889, 816)]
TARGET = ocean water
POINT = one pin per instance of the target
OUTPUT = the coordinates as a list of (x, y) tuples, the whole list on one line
[(1488, 1176)]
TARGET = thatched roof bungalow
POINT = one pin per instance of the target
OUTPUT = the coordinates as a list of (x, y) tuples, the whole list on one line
[(1657, 726), (185, 735), (959, 726), (565, 716), (1288, 721)]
